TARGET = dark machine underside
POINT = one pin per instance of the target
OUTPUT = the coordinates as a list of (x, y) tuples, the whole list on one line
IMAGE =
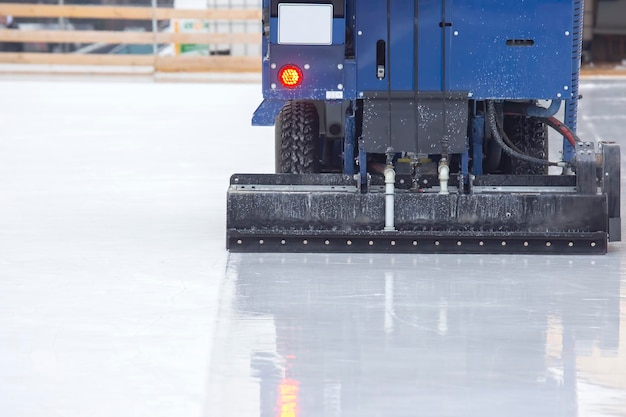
[(503, 214)]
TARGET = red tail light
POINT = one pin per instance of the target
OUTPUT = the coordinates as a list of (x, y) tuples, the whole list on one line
[(290, 76)]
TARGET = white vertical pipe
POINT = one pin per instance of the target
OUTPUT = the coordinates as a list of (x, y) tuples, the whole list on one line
[(444, 176), (390, 182)]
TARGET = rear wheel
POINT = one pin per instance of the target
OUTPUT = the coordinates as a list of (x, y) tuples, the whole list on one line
[(530, 136), (297, 138)]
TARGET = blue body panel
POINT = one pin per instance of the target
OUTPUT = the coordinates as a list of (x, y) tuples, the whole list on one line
[(322, 68), (371, 24), (483, 63), (491, 49), (478, 58)]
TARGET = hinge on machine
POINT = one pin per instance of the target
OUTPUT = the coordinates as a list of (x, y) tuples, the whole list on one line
[(586, 168)]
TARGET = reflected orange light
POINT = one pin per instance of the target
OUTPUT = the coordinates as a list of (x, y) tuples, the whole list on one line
[(288, 398)]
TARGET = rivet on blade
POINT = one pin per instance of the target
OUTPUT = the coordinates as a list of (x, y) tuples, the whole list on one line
[(239, 242), (349, 242), (327, 242), (261, 242), (371, 242), (570, 244), (415, 243), (306, 242), (593, 244), (459, 243), (503, 243), (481, 243), (393, 243), (436, 243), (282, 242), (525, 243), (548, 244)]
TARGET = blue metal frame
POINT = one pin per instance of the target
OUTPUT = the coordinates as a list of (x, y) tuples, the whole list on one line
[(349, 141), (478, 136), (571, 105)]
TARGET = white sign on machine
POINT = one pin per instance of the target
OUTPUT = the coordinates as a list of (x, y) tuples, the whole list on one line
[(305, 24)]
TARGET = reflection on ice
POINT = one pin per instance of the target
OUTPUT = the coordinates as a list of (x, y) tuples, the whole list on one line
[(369, 335)]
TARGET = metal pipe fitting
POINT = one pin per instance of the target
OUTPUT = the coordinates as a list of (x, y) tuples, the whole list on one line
[(444, 176), (390, 182)]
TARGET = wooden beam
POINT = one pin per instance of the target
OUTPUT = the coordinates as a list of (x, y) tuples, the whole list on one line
[(71, 36), (210, 38), (608, 70), (160, 63), (121, 12), (208, 64), (97, 12), (117, 37), (75, 59), (209, 14)]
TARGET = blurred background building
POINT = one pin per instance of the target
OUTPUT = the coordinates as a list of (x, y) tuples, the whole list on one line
[(605, 31), (32, 23)]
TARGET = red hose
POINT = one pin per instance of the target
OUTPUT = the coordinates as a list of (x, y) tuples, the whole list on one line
[(558, 126), (562, 129)]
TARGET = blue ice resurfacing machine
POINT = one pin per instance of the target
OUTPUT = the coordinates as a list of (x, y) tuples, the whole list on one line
[(422, 126)]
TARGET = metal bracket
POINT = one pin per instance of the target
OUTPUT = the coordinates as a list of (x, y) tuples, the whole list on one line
[(610, 183), (586, 168)]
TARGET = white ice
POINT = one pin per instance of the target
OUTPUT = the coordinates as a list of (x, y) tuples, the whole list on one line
[(112, 231), (112, 246)]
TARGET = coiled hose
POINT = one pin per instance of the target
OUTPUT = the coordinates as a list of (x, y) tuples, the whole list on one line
[(493, 125)]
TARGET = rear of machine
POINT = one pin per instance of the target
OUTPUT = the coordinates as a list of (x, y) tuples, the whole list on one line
[(423, 127)]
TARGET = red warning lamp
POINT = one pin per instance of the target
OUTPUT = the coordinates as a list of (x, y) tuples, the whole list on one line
[(290, 76)]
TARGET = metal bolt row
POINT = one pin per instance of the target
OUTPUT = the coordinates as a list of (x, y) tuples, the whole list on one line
[(393, 243)]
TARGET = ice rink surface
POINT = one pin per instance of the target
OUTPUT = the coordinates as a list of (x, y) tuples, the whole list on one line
[(118, 298)]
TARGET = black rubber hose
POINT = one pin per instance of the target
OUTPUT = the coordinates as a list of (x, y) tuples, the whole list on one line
[(526, 110), (493, 125), (506, 138)]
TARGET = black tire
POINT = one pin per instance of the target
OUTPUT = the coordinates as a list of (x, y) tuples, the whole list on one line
[(530, 136), (297, 138)]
